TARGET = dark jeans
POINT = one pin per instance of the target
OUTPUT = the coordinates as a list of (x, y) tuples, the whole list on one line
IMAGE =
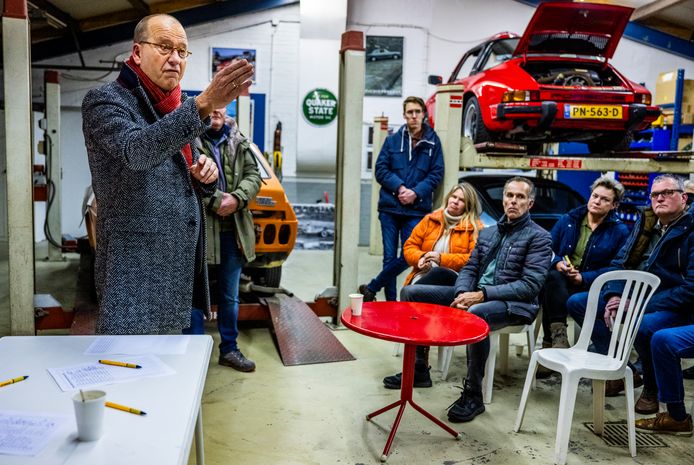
[(395, 230), (495, 313), (554, 296), (228, 308), (663, 339), (440, 276), (576, 306)]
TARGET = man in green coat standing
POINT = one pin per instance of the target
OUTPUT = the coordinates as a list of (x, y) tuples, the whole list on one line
[(230, 227)]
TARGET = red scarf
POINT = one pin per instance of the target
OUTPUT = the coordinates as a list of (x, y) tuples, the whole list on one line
[(164, 103)]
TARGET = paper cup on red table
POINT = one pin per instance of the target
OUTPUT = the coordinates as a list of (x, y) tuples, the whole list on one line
[(355, 303), (89, 414)]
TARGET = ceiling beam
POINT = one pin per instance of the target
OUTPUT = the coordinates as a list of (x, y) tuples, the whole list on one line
[(127, 16), (140, 6), (652, 8), (206, 11), (51, 10)]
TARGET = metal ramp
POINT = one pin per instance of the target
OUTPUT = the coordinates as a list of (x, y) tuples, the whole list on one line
[(302, 338)]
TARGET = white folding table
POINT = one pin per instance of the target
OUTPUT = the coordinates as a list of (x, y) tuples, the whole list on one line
[(162, 437)]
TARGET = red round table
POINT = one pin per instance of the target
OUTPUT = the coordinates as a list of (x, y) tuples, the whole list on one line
[(413, 324)]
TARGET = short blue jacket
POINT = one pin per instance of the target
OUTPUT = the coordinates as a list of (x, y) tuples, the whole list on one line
[(419, 168)]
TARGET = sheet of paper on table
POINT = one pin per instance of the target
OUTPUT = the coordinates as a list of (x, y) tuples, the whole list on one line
[(134, 345), (93, 374), (23, 433)]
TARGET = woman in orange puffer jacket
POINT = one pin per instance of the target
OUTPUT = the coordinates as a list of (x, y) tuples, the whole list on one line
[(440, 245)]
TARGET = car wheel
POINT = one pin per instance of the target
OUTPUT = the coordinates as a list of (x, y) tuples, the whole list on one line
[(616, 142), (396, 57), (473, 125), (272, 276), (373, 58)]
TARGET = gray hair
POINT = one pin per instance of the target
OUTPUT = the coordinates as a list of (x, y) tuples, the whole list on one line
[(664, 177), (611, 184), (531, 193)]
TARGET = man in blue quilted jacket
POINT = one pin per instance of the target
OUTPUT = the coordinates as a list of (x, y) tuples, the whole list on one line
[(409, 169), (500, 284)]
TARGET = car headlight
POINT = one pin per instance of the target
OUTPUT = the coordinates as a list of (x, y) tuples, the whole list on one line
[(520, 96)]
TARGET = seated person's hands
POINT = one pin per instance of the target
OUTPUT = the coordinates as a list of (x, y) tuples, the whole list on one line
[(574, 277), (427, 260), (562, 267), (611, 310), (467, 299)]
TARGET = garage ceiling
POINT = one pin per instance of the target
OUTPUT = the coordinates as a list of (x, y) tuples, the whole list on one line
[(674, 17), (60, 27)]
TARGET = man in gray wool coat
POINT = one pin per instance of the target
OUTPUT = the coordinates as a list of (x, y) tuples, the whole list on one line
[(148, 178)]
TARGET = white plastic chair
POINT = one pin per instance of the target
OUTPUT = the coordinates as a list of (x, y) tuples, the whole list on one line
[(498, 341), (576, 362)]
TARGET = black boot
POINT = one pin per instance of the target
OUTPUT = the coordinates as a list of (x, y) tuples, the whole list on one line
[(468, 406), (422, 378)]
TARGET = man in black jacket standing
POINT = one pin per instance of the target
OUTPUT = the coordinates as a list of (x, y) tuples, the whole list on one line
[(500, 284)]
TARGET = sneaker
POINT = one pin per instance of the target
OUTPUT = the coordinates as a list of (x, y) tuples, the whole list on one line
[(665, 424), (614, 386), (422, 379), (236, 360), (560, 339), (369, 295), (467, 407), (647, 403)]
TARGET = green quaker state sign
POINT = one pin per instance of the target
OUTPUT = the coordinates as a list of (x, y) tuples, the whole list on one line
[(320, 107)]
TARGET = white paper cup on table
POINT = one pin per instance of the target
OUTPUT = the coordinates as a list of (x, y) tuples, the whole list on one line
[(356, 301), (89, 414)]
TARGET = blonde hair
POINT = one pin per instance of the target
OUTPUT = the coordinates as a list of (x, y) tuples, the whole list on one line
[(473, 207)]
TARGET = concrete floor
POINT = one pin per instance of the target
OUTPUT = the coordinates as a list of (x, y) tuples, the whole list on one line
[(314, 414)]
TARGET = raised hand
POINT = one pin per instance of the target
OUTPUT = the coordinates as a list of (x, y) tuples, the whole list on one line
[(226, 86)]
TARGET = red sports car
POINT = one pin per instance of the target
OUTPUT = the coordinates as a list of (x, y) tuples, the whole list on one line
[(554, 83)]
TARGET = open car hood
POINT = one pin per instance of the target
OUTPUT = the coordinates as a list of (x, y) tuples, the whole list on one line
[(588, 29)]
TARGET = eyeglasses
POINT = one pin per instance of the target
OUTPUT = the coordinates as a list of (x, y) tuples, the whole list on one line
[(667, 193), (166, 49)]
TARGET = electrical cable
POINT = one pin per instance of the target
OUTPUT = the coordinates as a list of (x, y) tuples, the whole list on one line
[(50, 188)]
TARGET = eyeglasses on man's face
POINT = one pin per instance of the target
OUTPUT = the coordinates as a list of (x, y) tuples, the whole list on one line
[(166, 49), (666, 193)]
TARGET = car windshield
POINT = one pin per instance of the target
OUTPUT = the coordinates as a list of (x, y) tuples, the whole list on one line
[(500, 52), (263, 172)]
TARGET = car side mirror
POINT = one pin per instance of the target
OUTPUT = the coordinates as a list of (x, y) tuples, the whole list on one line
[(435, 80)]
